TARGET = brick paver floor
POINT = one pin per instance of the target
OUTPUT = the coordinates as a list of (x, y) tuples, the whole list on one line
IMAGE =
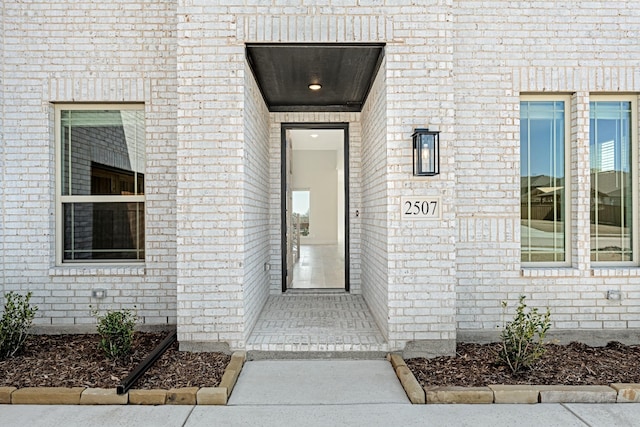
[(316, 322)]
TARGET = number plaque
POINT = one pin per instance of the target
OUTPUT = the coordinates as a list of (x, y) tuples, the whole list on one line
[(420, 208)]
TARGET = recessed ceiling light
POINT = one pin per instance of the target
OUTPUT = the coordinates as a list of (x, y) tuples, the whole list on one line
[(315, 86), (314, 135)]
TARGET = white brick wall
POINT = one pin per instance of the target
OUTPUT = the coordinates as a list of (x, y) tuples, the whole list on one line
[(455, 67), (255, 205), (2, 156), (374, 246), (78, 52), (501, 52)]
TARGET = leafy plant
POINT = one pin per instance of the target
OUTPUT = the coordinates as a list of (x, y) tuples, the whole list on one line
[(15, 323), (116, 332), (522, 340)]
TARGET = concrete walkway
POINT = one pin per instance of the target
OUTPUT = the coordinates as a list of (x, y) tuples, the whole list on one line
[(322, 393), (313, 382)]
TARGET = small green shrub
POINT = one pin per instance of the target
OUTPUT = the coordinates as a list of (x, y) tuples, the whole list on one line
[(522, 340), (116, 332), (15, 323)]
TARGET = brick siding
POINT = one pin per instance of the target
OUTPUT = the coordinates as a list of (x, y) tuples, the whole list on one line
[(213, 156)]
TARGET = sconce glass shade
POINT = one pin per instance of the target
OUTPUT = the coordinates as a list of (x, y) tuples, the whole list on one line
[(426, 152)]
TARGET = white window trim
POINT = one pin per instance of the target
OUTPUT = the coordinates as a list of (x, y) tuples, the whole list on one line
[(635, 247), (61, 199), (566, 98)]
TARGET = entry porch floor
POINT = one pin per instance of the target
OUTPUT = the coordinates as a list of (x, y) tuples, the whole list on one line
[(316, 322)]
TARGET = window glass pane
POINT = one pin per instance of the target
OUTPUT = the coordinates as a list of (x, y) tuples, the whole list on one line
[(542, 176), (103, 231), (102, 152), (301, 207), (611, 181)]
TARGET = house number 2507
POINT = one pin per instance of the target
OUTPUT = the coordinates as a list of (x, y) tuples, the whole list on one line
[(419, 208)]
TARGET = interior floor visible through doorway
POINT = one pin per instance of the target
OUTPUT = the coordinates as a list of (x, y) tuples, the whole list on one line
[(319, 267)]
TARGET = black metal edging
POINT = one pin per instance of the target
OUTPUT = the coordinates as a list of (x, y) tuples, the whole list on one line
[(125, 385)]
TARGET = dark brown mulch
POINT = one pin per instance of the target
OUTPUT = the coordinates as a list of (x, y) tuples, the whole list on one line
[(475, 365), (77, 361)]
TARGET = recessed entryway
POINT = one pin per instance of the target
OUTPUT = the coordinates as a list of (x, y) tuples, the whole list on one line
[(315, 196)]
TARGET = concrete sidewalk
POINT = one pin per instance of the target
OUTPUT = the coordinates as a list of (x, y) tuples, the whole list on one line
[(321, 393), (369, 415)]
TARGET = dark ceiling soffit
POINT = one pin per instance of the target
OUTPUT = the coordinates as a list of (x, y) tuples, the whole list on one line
[(307, 107)]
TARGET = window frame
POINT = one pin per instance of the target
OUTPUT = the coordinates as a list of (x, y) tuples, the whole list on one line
[(61, 199), (566, 98), (635, 246)]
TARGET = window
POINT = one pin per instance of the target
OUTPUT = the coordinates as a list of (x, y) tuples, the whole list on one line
[(301, 208), (100, 185), (612, 156), (543, 179)]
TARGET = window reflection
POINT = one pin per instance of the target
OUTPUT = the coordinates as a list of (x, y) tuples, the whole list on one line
[(98, 231), (542, 163), (97, 141), (611, 181), (103, 165)]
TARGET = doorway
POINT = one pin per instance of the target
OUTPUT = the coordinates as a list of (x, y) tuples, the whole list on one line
[(315, 190)]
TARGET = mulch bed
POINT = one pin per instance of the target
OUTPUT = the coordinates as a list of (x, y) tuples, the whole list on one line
[(77, 361), (476, 365)]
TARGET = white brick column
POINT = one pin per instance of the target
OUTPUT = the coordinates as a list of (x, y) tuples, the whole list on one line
[(210, 242), (580, 187), (421, 254)]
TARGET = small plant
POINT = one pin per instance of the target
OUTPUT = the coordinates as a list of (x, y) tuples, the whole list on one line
[(116, 332), (522, 340), (15, 323)]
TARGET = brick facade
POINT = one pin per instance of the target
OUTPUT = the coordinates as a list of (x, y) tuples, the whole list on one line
[(57, 52), (212, 170), (502, 51)]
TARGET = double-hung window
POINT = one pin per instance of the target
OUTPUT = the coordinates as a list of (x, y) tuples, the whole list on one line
[(100, 164), (613, 162), (544, 134)]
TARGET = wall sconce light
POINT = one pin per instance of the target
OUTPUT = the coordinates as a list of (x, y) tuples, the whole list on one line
[(426, 152)]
